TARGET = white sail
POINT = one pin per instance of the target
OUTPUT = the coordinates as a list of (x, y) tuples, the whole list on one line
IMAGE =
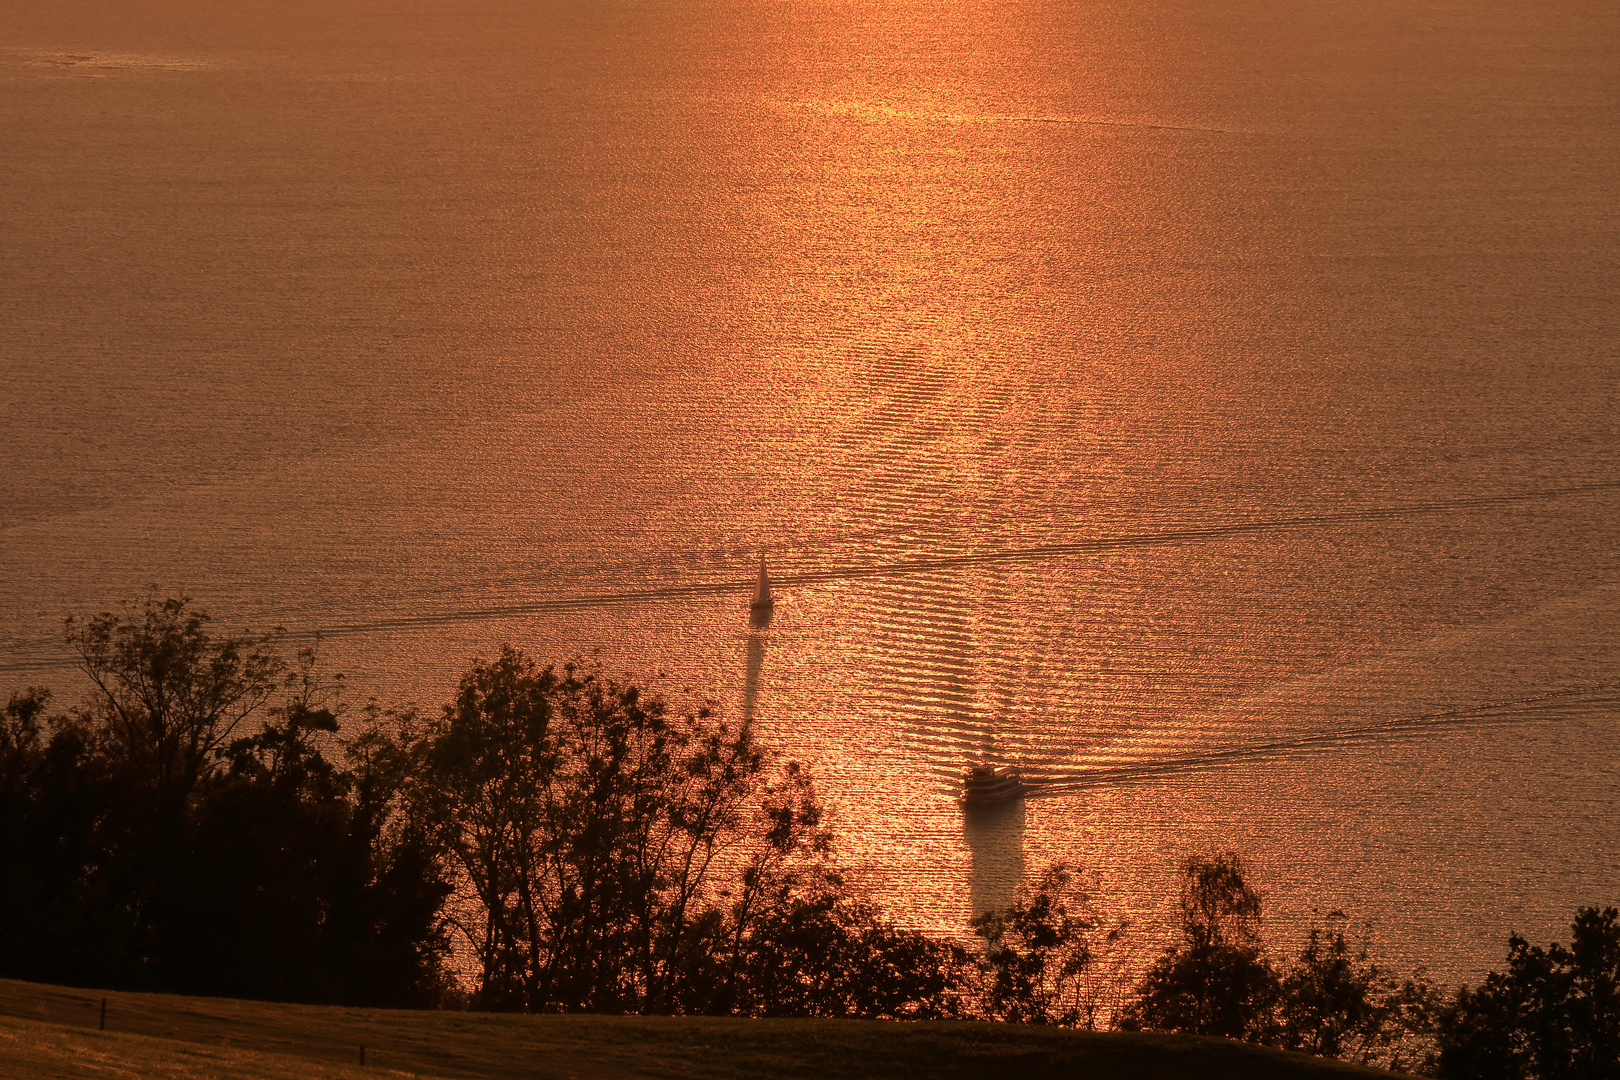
[(762, 591)]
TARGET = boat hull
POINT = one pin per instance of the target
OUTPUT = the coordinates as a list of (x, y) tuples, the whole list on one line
[(986, 787)]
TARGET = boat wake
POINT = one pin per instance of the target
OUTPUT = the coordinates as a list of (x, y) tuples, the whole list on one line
[(1539, 706), (22, 662)]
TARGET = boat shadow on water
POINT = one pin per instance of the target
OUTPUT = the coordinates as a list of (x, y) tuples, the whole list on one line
[(994, 833)]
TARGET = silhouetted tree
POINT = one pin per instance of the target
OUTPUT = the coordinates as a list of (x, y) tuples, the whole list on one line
[(395, 927), (598, 832), (149, 843), (1215, 981), (301, 888), (65, 894), (21, 730), (311, 878), (169, 695), (815, 951), (486, 768), (1553, 1015), (1045, 955), (22, 747), (1334, 1001), (621, 856)]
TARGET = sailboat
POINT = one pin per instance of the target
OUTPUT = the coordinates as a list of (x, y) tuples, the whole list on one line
[(762, 591)]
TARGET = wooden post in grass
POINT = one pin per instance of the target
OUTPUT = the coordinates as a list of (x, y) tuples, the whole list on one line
[(103, 1025)]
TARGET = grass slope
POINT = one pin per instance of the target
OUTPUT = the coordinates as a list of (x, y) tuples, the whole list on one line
[(49, 1031)]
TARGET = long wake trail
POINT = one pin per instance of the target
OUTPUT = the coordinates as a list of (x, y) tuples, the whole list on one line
[(1099, 545), (922, 565)]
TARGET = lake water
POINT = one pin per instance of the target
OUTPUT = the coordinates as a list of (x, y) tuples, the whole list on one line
[(1211, 407)]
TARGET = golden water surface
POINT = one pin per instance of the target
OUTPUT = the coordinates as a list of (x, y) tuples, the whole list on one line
[(1211, 407)]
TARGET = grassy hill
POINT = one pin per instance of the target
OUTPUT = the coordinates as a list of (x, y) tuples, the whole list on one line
[(49, 1031)]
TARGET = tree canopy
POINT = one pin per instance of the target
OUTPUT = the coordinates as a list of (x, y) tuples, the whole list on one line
[(198, 825), (1554, 1014), (622, 856)]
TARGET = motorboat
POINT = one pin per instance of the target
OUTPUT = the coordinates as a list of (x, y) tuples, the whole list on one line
[(762, 591), (988, 784)]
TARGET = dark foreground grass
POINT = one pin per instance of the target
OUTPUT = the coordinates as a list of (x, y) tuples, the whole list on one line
[(49, 1031)]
